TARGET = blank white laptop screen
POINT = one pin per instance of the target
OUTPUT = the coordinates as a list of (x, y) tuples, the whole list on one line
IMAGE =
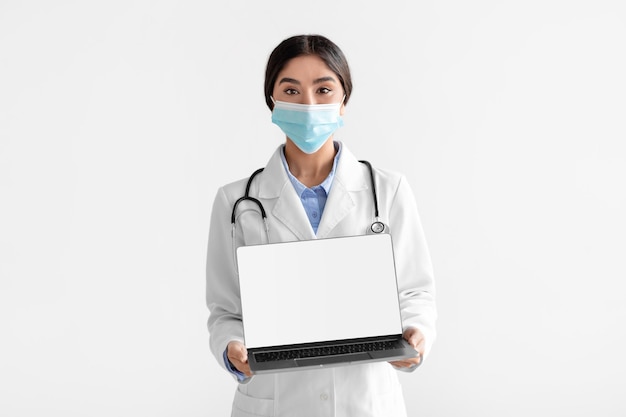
[(318, 290)]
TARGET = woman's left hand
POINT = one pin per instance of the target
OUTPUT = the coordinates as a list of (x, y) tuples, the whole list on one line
[(415, 339)]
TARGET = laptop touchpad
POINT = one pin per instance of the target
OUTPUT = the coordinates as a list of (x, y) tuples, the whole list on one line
[(333, 359)]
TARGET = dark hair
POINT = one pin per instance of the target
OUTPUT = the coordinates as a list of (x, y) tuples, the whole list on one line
[(307, 45)]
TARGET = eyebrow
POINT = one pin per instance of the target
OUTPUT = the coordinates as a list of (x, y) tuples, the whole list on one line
[(316, 81)]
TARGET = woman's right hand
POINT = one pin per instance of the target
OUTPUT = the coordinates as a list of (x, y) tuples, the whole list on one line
[(238, 355)]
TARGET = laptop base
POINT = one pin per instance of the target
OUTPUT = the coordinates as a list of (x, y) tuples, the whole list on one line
[(329, 354)]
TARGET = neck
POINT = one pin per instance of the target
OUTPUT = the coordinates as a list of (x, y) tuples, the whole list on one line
[(310, 169)]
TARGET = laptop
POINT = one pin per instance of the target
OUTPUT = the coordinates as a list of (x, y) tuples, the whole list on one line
[(320, 303)]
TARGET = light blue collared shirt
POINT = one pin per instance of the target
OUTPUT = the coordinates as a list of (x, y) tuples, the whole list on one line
[(313, 199)]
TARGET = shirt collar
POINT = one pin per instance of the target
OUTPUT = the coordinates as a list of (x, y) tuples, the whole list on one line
[(326, 184)]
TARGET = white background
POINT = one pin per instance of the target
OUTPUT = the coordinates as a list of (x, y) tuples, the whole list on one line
[(119, 120)]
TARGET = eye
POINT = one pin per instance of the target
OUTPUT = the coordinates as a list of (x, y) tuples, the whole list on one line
[(291, 91), (324, 90)]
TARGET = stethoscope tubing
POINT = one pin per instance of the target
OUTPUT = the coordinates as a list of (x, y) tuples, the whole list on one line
[(376, 227), (246, 196)]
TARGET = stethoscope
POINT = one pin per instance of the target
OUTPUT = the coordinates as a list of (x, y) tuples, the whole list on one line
[(376, 227)]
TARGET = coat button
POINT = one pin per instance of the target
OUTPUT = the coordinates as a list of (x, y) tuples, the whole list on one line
[(324, 397)]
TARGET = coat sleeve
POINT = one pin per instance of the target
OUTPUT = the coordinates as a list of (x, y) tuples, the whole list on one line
[(414, 270), (222, 285)]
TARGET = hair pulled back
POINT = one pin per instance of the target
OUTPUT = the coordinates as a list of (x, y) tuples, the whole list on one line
[(300, 45)]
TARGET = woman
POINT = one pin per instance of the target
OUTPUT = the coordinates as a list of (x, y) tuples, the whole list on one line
[(313, 188)]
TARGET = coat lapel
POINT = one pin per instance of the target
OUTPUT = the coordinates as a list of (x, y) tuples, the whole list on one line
[(341, 202), (289, 211), (338, 206), (288, 208)]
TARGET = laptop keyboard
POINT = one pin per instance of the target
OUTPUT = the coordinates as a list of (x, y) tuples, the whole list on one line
[(331, 350)]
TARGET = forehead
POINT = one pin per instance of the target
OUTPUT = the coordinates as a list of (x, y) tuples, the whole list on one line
[(306, 68)]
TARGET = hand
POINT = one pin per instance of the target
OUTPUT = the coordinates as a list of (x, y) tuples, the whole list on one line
[(238, 355), (415, 339)]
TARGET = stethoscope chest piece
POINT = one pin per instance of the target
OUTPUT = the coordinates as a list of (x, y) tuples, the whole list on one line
[(377, 227)]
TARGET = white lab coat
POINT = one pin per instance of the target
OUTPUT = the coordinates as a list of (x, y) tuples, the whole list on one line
[(367, 390)]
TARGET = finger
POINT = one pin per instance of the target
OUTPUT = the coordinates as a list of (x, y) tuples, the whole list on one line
[(413, 361), (237, 360), (414, 337), (241, 354), (241, 366), (238, 355), (409, 362), (237, 351), (409, 335), (245, 369), (405, 364)]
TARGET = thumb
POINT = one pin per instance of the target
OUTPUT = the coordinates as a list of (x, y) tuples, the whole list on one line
[(238, 352), (412, 336)]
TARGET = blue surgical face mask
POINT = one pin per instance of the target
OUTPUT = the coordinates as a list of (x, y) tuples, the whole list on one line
[(307, 125)]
